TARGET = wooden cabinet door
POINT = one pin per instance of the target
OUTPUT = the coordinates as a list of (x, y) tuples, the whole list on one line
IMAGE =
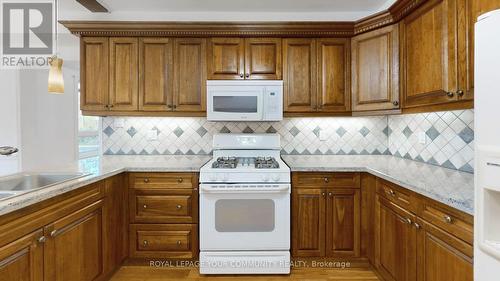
[(115, 223), (263, 58), (308, 222), (73, 249), (94, 85), (343, 216), (22, 259), (334, 79), (226, 58), (442, 256), (190, 74), (299, 75), (396, 238), (124, 74), (156, 74), (429, 54), (375, 70)]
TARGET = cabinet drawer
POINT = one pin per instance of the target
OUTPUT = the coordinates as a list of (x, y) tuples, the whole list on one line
[(449, 220), (163, 240), (315, 180), (163, 180), (169, 206), (396, 195)]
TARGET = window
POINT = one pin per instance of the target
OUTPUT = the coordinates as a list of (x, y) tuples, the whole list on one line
[(89, 137)]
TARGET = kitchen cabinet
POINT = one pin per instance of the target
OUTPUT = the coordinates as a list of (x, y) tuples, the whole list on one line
[(239, 58), (163, 215), (334, 77), (94, 84), (325, 215), (123, 74), (156, 74), (22, 259), (190, 75), (375, 70), (433, 63), (73, 250), (397, 242)]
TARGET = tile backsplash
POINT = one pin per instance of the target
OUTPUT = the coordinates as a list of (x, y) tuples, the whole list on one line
[(448, 136)]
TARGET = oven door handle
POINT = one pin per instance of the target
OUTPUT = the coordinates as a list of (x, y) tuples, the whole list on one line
[(284, 189)]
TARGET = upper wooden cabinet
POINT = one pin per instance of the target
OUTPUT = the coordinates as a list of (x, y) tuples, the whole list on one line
[(94, 84), (434, 66), (334, 77), (316, 75), (190, 74), (156, 74), (375, 70), (250, 58), (123, 69)]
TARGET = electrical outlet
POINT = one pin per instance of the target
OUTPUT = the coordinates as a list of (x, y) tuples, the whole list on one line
[(422, 138), (152, 135), (119, 123), (322, 135)]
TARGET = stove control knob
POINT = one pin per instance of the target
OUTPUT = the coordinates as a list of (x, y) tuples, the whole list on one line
[(276, 177), (265, 177)]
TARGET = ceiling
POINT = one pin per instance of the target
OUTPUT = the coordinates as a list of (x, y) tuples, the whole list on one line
[(244, 5)]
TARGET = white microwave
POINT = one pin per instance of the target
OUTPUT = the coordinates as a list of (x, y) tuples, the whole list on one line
[(244, 100)]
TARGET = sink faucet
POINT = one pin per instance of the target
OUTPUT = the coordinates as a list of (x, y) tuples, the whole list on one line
[(8, 150)]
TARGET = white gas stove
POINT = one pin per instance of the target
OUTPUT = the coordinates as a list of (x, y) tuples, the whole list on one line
[(245, 207)]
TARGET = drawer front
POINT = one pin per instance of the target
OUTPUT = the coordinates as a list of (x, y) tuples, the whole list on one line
[(315, 180), (170, 206), (452, 221), (163, 180), (396, 195), (164, 241)]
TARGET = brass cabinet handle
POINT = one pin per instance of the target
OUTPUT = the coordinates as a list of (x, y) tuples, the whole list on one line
[(146, 180), (174, 106), (395, 103), (391, 192), (408, 221), (460, 93), (447, 219), (323, 194), (180, 180), (178, 243), (326, 180), (144, 206), (42, 239), (145, 242), (241, 75), (53, 233), (179, 207), (247, 75), (450, 94), (169, 106), (330, 194), (417, 226)]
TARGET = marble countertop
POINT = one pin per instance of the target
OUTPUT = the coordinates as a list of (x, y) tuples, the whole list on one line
[(450, 187)]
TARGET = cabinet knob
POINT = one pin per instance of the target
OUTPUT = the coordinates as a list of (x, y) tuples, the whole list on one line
[(144, 206), (408, 221), (42, 239), (395, 103), (247, 75), (146, 180), (53, 233), (241, 75), (417, 226), (179, 207), (460, 93), (179, 243), (323, 194), (330, 194), (169, 106), (180, 180), (391, 192), (326, 180), (447, 219), (145, 242), (450, 94), (174, 106)]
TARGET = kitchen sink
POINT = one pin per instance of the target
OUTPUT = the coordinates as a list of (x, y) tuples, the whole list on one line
[(23, 183)]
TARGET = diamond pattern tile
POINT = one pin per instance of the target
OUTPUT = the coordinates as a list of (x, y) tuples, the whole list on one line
[(364, 131), (294, 131), (178, 131), (467, 135), (407, 132), (131, 132), (432, 133)]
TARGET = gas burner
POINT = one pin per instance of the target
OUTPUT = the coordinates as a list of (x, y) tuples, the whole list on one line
[(225, 163), (266, 163)]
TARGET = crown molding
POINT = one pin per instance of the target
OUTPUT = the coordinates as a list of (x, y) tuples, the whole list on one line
[(395, 13)]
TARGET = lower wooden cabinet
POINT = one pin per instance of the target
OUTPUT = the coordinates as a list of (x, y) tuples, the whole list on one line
[(325, 222), (23, 258), (73, 250)]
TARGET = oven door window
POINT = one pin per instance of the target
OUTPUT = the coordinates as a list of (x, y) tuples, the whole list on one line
[(244, 215), (235, 104)]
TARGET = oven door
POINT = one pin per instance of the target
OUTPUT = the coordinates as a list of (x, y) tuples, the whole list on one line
[(231, 103), (243, 220)]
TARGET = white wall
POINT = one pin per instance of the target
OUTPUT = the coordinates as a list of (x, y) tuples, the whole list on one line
[(9, 120)]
